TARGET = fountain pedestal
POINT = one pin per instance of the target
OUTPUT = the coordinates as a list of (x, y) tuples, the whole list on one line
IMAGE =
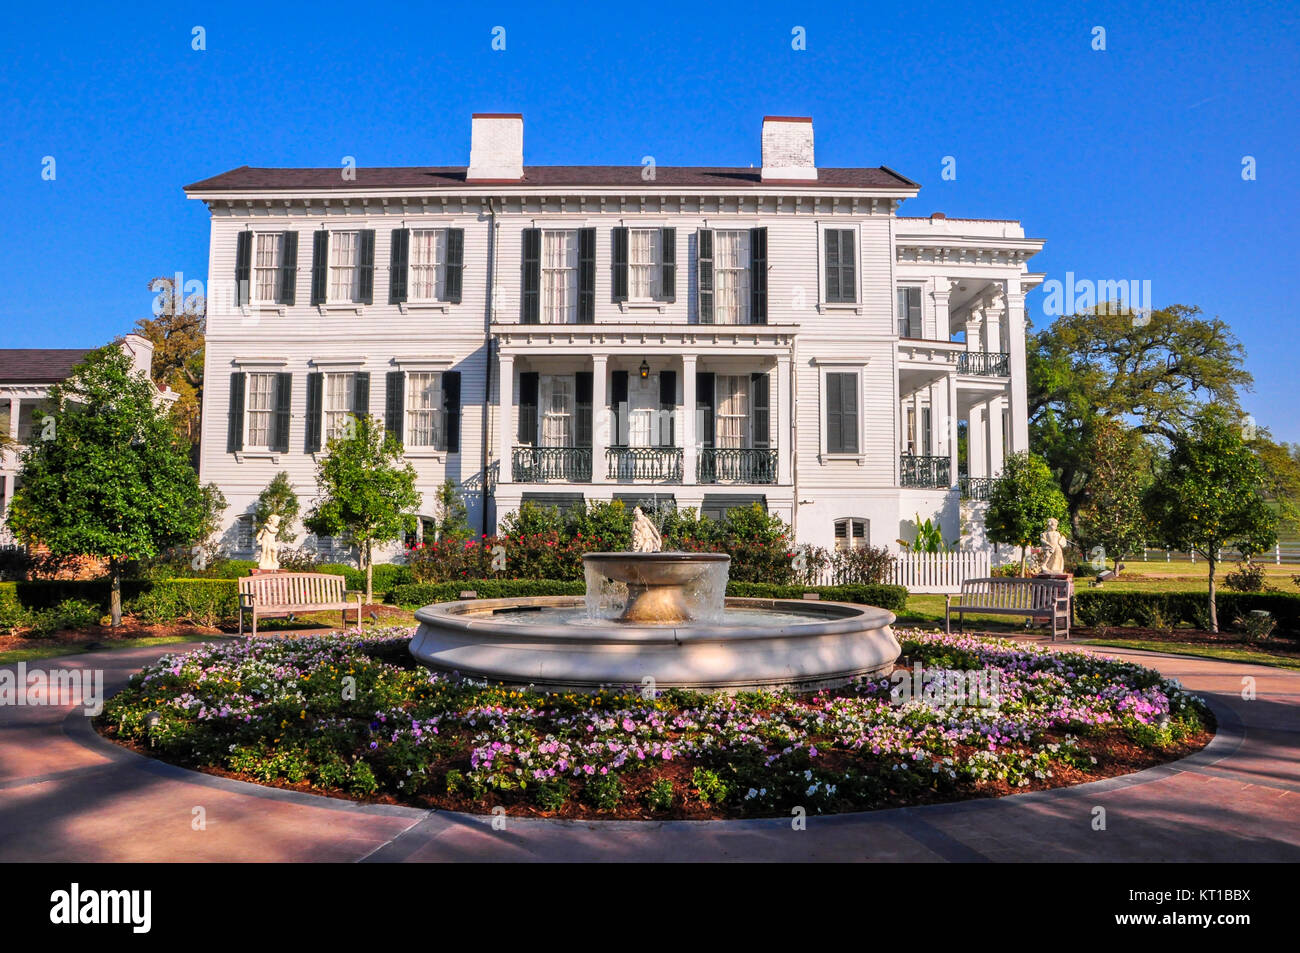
[(657, 583)]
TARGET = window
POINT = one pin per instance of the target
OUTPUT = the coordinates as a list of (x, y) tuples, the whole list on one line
[(909, 312), (268, 258), (731, 277), (559, 277), (428, 264), (841, 281), (733, 410), (259, 408), (343, 270), (643, 263), (557, 410), (927, 432), (340, 404), (842, 412), (244, 533), (851, 534), (424, 409)]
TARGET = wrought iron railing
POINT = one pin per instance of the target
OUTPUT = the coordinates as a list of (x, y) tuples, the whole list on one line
[(644, 464), (934, 472), (984, 363), (551, 464), (736, 465), (975, 488)]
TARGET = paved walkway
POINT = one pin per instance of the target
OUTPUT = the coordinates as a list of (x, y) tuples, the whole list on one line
[(68, 795)]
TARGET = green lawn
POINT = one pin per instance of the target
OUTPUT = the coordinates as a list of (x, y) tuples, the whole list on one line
[(1184, 576), (1253, 655), (37, 652)]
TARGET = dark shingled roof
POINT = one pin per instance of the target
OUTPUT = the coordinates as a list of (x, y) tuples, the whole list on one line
[(246, 178), (38, 365)]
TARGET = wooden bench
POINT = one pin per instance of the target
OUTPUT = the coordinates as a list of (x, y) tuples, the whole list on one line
[(1043, 599), (274, 594)]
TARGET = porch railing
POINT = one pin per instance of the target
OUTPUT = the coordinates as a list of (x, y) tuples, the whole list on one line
[(984, 363), (736, 465), (975, 488), (644, 464), (933, 472), (551, 464)]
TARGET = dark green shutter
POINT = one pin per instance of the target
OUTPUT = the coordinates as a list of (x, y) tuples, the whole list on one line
[(618, 404), (704, 266), (849, 410), (243, 266), (366, 264), (283, 405), (528, 384), (848, 267), (320, 248), (451, 411), (840, 269), (668, 267), (395, 403), (758, 276), (704, 401), (618, 265), (288, 284), (832, 239), (667, 408), (834, 414), (455, 265), (530, 299), (235, 417), (760, 411), (582, 392), (399, 257), (361, 394), (586, 275), (315, 411)]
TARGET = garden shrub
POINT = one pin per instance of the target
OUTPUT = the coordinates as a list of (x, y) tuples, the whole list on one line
[(1247, 577), (77, 603), (209, 602), (387, 577), (1102, 608)]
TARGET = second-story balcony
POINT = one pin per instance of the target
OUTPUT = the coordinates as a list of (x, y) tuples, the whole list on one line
[(736, 465), (644, 464), (984, 363), (975, 488), (922, 471), (551, 465)]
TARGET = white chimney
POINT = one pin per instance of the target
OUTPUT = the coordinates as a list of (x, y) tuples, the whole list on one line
[(788, 149), (496, 148)]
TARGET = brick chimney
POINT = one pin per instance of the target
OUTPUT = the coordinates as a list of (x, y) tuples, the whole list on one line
[(496, 148), (788, 149)]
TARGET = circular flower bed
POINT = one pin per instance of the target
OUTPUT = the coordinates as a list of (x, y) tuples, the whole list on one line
[(350, 714)]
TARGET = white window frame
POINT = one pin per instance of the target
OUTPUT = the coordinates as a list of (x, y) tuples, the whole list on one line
[(242, 534), (823, 369), (439, 265), (409, 410), (547, 278), (655, 264), (545, 401), (854, 306), (328, 430), (744, 396), (249, 445), (850, 523), (254, 298), (900, 286), (354, 294), (743, 315)]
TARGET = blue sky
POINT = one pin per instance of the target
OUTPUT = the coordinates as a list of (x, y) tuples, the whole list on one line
[(1127, 161)]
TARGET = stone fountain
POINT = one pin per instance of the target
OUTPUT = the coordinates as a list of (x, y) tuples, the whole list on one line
[(660, 619)]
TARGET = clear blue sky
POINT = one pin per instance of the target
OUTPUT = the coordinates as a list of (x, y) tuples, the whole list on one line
[(1127, 161)]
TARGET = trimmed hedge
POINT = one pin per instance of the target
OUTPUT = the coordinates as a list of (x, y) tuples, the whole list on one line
[(387, 577), (414, 595), (1095, 607), (204, 601)]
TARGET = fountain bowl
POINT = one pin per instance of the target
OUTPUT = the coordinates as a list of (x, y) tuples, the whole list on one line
[(656, 582)]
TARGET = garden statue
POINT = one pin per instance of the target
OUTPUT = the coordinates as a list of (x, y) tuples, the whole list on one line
[(1054, 543), (268, 548), (645, 535)]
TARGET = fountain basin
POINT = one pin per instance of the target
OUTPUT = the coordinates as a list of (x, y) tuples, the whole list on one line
[(550, 643), (656, 582)]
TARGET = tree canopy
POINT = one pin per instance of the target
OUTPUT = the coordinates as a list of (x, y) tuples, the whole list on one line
[(1021, 501)]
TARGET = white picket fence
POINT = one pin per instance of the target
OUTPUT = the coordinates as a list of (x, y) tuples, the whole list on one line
[(939, 572)]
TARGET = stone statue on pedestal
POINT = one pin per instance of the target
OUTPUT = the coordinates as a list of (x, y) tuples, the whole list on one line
[(1054, 543), (645, 535), (268, 548)]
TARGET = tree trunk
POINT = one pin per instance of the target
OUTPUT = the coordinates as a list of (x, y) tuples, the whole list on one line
[(1024, 551), (370, 573), (1214, 612), (115, 593)]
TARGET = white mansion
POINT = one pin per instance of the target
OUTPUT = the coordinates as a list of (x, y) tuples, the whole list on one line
[(704, 337)]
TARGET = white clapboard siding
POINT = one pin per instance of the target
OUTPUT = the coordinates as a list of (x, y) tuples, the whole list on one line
[(939, 572)]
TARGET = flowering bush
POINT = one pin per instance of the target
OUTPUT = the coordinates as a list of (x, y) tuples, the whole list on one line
[(351, 713)]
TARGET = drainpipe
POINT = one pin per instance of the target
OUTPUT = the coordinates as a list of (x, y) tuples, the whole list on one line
[(487, 354)]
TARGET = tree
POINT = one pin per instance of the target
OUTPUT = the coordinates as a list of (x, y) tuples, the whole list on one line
[(1110, 516), (177, 332), (1153, 371), (451, 516), (367, 492), (107, 475), (1281, 464), (1021, 501), (279, 499), (1212, 496)]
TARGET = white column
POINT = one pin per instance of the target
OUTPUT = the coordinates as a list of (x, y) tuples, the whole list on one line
[(505, 416), (940, 295), (935, 421), (600, 417), (993, 329), (973, 330), (15, 409), (784, 421), (952, 428), (995, 407), (1017, 369), (976, 452), (689, 441)]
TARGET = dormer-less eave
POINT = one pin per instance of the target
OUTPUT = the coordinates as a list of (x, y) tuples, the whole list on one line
[(1026, 246)]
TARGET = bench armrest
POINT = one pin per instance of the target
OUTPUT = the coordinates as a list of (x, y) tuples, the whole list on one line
[(245, 600)]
